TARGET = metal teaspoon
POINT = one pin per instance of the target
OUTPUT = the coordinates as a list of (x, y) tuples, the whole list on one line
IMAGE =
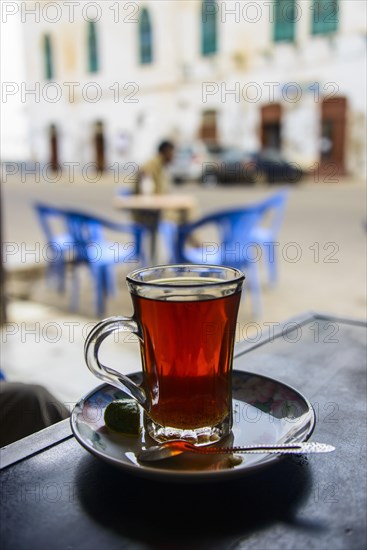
[(173, 448)]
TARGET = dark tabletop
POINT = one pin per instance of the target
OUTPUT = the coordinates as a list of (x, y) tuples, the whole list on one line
[(55, 495)]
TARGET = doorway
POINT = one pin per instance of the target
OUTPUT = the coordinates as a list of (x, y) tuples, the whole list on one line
[(271, 116), (53, 148), (209, 127), (99, 146), (332, 134)]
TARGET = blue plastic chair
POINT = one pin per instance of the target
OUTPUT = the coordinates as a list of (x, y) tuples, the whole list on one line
[(100, 255), (266, 235), (168, 232), (59, 242), (124, 192), (233, 247)]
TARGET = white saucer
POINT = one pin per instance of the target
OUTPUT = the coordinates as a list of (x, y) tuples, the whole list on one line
[(264, 411)]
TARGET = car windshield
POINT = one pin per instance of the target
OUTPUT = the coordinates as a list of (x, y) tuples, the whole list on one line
[(190, 150), (233, 155), (271, 155), (184, 152)]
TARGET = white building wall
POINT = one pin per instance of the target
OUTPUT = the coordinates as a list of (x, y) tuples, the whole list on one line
[(169, 93), (14, 120)]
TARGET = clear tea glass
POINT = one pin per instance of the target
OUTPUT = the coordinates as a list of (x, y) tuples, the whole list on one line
[(185, 318)]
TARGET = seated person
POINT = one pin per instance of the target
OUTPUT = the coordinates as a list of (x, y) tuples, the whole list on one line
[(25, 409), (152, 178)]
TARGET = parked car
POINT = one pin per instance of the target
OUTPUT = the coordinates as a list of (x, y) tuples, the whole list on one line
[(271, 166), (236, 166), (189, 161), (229, 166)]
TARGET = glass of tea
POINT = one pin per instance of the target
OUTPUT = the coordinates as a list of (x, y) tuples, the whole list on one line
[(185, 319)]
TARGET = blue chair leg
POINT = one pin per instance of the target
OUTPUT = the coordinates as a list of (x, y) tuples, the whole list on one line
[(255, 290), (271, 263), (61, 276), (99, 276), (110, 280), (74, 299), (50, 275), (55, 275)]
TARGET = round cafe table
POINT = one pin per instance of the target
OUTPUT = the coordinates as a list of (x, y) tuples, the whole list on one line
[(154, 206)]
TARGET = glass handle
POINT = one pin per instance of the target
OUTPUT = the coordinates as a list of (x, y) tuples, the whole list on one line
[(91, 349)]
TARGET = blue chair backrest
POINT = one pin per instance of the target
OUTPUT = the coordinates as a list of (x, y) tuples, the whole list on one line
[(87, 229), (235, 225), (124, 192), (234, 228), (84, 228), (46, 214), (275, 204)]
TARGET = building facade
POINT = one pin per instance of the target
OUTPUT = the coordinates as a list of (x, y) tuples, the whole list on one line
[(107, 80), (14, 142)]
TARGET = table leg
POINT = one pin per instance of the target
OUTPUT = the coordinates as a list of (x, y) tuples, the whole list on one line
[(154, 219)]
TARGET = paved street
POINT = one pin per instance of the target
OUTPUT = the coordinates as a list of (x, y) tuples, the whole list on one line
[(322, 262), (322, 266)]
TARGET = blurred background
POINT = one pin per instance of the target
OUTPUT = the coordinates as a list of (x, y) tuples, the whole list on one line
[(257, 97)]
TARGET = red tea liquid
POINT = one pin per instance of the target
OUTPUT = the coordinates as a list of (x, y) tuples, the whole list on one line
[(187, 358)]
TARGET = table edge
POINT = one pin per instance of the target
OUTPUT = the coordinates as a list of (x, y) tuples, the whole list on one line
[(298, 321), (35, 443)]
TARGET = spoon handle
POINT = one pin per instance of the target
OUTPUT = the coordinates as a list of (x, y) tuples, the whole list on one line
[(288, 448), (173, 448)]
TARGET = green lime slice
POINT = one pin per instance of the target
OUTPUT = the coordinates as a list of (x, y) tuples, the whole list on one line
[(123, 416)]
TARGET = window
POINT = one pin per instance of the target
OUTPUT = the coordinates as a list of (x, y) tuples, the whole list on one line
[(145, 38), (325, 16), (209, 27), (47, 54), (285, 17), (93, 62)]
